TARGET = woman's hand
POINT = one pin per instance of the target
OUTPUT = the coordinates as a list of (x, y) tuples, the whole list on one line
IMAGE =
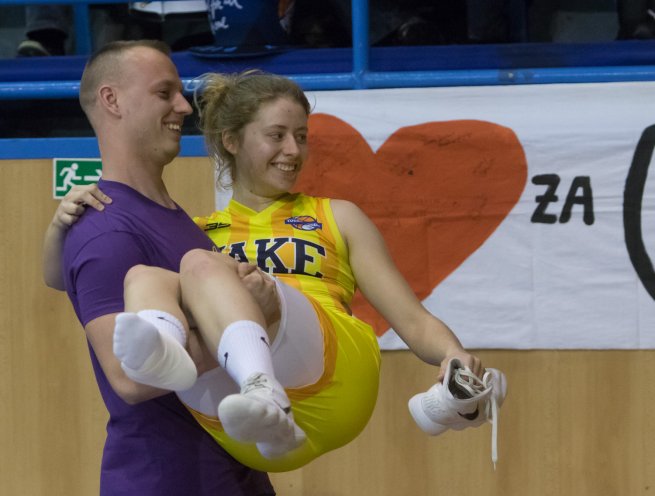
[(68, 212), (466, 359), (72, 206)]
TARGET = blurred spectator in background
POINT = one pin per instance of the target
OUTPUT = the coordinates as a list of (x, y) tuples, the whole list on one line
[(412, 22), (636, 19), (47, 28), (181, 24), (222, 28), (247, 29), (490, 21)]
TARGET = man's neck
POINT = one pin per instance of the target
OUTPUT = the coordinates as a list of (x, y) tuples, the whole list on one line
[(146, 180)]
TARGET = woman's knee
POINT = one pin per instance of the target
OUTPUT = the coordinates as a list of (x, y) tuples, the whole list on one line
[(136, 275), (200, 263), (145, 275)]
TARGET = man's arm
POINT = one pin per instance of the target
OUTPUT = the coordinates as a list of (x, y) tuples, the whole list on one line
[(96, 268), (100, 333)]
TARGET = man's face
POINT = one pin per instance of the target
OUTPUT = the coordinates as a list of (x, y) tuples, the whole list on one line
[(152, 105)]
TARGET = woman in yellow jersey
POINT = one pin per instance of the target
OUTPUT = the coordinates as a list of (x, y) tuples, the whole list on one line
[(298, 373)]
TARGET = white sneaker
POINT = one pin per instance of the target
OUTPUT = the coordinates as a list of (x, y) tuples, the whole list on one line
[(32, 48), (261, 414), (462, 400)]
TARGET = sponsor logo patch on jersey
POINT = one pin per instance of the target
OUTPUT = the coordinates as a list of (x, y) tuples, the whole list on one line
[(210, 226), (304, 223)]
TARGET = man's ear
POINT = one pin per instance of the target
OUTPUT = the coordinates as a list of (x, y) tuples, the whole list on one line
[(230, 142), (107, 99)]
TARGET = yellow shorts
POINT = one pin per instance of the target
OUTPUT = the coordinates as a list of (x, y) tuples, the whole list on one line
[(334, 410)]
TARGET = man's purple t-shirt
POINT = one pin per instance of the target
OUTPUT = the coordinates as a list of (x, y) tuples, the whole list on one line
[(154, 447)]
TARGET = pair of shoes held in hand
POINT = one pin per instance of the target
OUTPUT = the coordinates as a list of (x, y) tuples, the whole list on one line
[(462, 400)]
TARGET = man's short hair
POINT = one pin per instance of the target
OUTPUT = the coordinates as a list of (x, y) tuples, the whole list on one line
[(105, 63)]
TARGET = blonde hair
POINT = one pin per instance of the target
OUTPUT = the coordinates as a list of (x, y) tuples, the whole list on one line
[(228, 102), (106, 63)]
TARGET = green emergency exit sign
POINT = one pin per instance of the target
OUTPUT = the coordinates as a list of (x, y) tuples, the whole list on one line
[(68, 172)]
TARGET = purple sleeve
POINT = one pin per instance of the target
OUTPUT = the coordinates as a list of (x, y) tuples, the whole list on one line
[(98, 270)]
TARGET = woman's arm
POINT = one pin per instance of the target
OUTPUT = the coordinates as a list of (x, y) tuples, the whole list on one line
[(386, 289), (70, 209)]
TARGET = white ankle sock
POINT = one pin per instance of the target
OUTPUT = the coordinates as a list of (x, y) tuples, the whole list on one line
[(150, 347), (244, 350)]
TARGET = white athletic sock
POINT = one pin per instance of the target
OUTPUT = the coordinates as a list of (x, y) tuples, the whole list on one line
[(244, 350), (261, 413), (150, 347)]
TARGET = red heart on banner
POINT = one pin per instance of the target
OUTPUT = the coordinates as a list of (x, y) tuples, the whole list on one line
[(436, 191)]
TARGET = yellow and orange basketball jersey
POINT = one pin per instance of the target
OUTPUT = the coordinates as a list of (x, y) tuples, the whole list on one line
[(296, 239)]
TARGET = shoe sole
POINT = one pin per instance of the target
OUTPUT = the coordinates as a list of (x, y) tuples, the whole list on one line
[(281, 448), (249, 420)]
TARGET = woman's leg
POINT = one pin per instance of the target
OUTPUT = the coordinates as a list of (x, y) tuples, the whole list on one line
[(150, 338), (228, 317), (215, 295), (297, 352), (232, 323)]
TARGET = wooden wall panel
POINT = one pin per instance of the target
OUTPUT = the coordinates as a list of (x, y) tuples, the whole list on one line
[(52, 420), (575, 422)]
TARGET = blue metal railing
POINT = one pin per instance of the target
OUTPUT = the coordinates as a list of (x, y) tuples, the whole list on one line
[(360, 75), (32, 90)]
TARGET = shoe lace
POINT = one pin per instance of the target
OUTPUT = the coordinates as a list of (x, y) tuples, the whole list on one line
[(471, 385), (492, 416), (466, 383)]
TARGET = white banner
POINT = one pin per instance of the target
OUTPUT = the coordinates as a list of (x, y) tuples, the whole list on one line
[(523, 216)]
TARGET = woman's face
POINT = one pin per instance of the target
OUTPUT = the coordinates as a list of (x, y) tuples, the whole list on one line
[(270, 151)]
